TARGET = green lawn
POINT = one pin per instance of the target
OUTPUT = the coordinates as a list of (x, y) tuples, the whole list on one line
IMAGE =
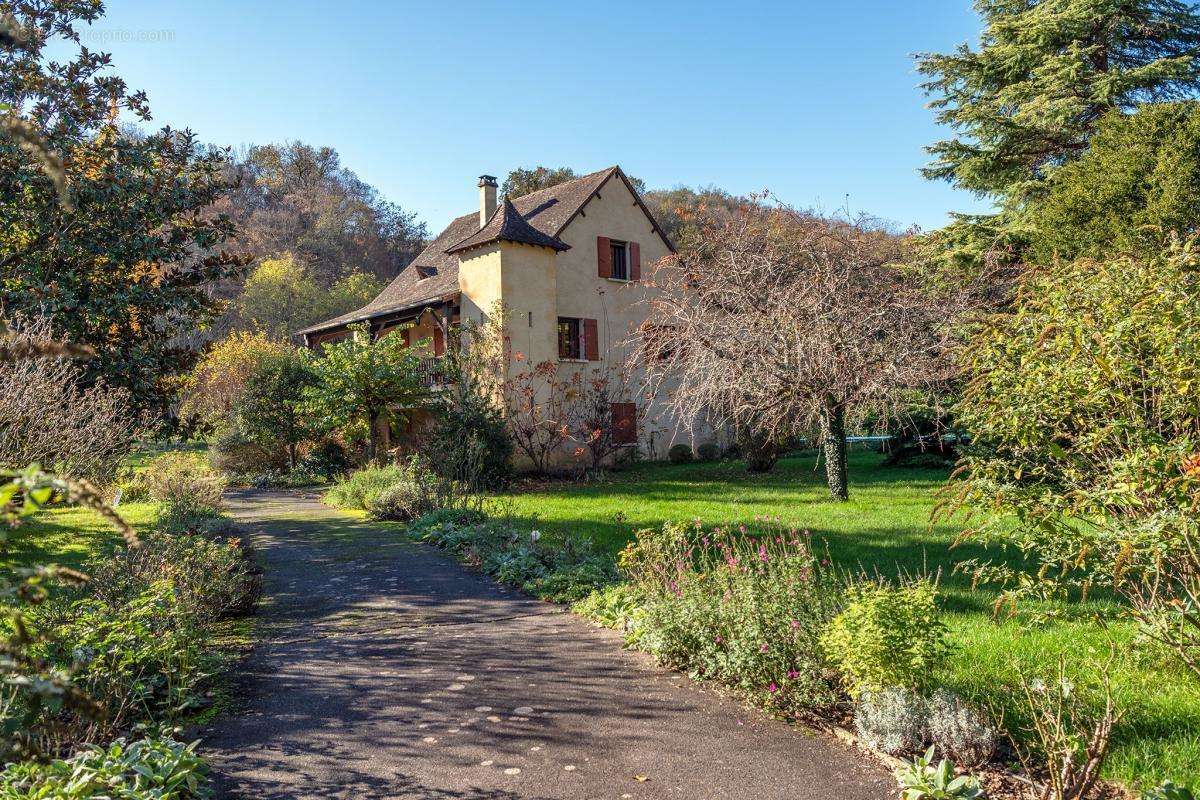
[(70, 536), (886, 526)]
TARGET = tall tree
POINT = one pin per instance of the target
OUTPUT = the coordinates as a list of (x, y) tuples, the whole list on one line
[(280, 297), (1137, 184), (124, 265), (297, 198), (365, 383), (272, 409), (1029, 98), (777, 323)]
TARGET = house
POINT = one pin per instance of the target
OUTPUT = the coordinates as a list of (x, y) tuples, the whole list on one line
[(569, 265)]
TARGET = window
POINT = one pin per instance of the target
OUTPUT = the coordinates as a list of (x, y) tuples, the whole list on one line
[(620, 260), (570, 338), (426, 272)]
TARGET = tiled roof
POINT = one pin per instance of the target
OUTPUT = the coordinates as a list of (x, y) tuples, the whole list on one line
[(545, 213), (507, 225)]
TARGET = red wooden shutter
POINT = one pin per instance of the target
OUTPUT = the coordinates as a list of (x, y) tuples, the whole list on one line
[(439, 342), (624, 422), (603, 257), (635, 262), (591, 340)]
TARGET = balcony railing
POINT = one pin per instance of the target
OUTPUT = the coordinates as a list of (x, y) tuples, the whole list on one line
[(432, 372)]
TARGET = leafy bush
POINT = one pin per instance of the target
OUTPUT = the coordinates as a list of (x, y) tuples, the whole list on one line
[(680, 453), (742, 607), (211, 579), (133, 488), (960, 730), (455, 517), (708, 451), (141, 661), (360, 488), (327, 459), (1084, 416), (233, 453), (184, 485), (616, 606), (886, 636), (144, 769), (558, 571), (471, 443), (1169, 791), (404, 500), (921, 780), (891, 720)]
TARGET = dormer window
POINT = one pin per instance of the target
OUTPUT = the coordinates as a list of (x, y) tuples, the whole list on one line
[(426, 272), (620, 259)]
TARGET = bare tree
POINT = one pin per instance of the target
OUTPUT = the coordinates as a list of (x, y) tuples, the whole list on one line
[(776, 322)]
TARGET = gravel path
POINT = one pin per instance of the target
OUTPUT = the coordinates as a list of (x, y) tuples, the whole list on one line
[(386, 670)]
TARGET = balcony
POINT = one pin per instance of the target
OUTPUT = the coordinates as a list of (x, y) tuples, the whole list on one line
[(432, 372)]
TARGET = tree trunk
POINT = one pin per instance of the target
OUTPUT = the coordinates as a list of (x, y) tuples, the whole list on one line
[(833, 443), (292, 455), (372, 438)]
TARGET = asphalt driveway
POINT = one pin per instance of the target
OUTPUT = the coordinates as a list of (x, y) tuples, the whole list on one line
[(386, 670)]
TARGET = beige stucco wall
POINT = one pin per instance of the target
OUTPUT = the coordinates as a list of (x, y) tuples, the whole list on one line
[(619, 307)]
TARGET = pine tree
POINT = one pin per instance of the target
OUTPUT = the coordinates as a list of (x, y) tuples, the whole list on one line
[(1046, 71)]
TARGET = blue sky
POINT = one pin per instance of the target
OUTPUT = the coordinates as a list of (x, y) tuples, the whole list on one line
[(815, 101)]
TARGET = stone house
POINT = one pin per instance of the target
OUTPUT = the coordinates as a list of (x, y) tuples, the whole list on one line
[(570, 265)]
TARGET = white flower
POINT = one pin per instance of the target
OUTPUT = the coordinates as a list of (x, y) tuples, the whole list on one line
[(534, 535)]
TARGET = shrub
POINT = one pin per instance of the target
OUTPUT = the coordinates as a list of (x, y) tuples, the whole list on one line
[(216, 384), (921, 780), (358, 489), (559, 571), (232, 452), (211, 579), (1169, 791), (456, 517), (1083, 412), (184, 484), (327, 459), (1069, 731), (891, 720), (709, 451), (141, 661), (403, 500), (959, 730), (742, 607), (887, 636), (144, 769), (616, 606), (49, 415), (680, 453), (471, 443)]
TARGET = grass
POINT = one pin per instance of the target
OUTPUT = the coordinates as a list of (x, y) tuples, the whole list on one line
[(885, 527), (70, 536)]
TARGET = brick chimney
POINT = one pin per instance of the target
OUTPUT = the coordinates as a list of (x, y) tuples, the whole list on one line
[(487, 198)]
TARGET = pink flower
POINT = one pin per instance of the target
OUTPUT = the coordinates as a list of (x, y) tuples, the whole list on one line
[(762, 553), (772, 688), (795, 624), (793, 674), (741, 528), (763, 649)]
